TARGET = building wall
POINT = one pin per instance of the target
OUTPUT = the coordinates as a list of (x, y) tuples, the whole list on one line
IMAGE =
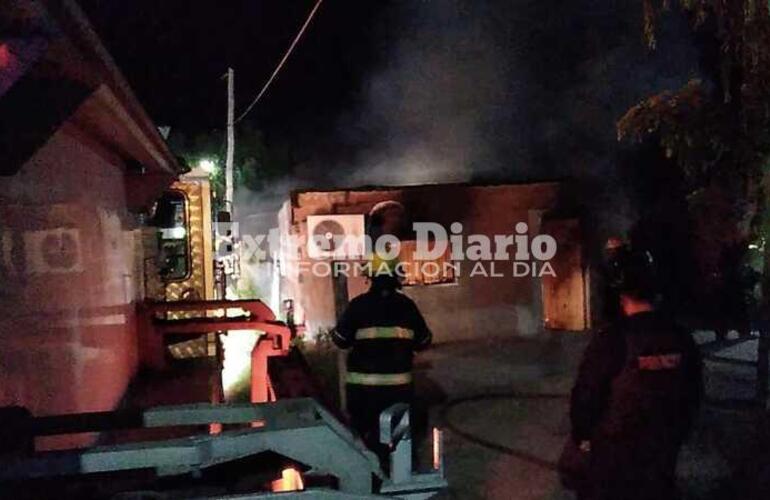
[(473, 307), (67, 341)]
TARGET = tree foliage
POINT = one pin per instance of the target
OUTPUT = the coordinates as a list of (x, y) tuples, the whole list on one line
[(255, 163), (716, 129)]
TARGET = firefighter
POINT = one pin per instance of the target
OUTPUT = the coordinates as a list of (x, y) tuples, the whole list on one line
[(383, 328), (637, 391)]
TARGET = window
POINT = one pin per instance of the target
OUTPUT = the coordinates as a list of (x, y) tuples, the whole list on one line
[(173, 246), (426, 272)]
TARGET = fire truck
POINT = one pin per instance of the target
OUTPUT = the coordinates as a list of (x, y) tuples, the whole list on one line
[(112, 305)]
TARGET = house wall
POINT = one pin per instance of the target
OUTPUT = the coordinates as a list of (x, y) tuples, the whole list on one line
[(473, 307), (67, 341)]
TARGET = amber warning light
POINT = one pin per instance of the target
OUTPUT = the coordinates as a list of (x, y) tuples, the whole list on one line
[(291, 480), (438, 441)]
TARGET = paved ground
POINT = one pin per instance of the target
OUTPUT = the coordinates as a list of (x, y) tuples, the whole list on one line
[(503, 405)]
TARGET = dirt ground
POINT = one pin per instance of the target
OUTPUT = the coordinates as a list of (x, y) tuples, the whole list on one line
[(503, 405)]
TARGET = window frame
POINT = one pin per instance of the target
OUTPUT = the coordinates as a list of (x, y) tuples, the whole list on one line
[(188, 247)]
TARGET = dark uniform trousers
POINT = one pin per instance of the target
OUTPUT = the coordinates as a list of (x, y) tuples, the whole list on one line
[(382, 328), (637, 391), (366, 403)]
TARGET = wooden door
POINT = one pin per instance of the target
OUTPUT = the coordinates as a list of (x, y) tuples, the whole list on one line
[(564, 295)]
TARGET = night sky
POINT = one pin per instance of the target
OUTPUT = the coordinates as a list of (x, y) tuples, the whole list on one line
[(174, 52), (409, 91)]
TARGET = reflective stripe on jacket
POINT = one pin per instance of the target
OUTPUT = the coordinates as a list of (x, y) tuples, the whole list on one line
[(384, 332), (359, 378), (382, 328)]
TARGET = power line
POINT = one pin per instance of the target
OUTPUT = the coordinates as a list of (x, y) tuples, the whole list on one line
[(283, 60)]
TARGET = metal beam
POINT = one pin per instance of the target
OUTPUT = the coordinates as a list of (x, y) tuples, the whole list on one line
[(298, 429)]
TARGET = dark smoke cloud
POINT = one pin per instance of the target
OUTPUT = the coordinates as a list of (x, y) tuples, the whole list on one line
[(473, 90), (514, 90), (432, 109)]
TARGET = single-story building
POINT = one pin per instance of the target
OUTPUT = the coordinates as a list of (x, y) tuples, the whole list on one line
[(468, 300)]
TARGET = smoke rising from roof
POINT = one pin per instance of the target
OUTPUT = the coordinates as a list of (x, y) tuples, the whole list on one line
[(431, 110), (493, 90), (511, 91)]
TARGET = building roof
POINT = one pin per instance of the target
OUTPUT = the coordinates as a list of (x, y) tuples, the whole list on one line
[(57, 69), (543, 194), (416, 187)]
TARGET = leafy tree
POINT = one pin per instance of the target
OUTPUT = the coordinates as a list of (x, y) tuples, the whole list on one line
[(716, 131), (255, 163)]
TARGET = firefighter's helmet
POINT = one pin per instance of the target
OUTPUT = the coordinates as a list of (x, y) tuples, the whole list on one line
[(380, 266), (634, 271)]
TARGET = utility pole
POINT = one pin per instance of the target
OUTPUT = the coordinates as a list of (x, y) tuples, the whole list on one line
[(224, 229), (230, 140)]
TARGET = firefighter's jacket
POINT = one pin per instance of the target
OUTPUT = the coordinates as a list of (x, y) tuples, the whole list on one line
[(384, 328), (638, 388)]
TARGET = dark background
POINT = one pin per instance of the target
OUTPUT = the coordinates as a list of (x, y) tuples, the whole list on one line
[(174, 53), (412, 91), (562, 71), (416, 91)]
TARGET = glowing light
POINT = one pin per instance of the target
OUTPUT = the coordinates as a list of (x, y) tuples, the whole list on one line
[(291, 480), (207, 165), (236, 367), (437, 441), (5, 56), (173, 233)]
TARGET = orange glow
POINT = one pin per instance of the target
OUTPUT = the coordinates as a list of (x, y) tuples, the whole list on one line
[(5, 55), (291, 480), (436, 449), (236, 368)]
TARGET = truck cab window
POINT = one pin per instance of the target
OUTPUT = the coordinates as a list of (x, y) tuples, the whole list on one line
[(173, 245)]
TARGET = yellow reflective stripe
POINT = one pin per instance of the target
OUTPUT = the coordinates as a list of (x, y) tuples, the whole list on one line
[(379, 378), (384, 332)]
